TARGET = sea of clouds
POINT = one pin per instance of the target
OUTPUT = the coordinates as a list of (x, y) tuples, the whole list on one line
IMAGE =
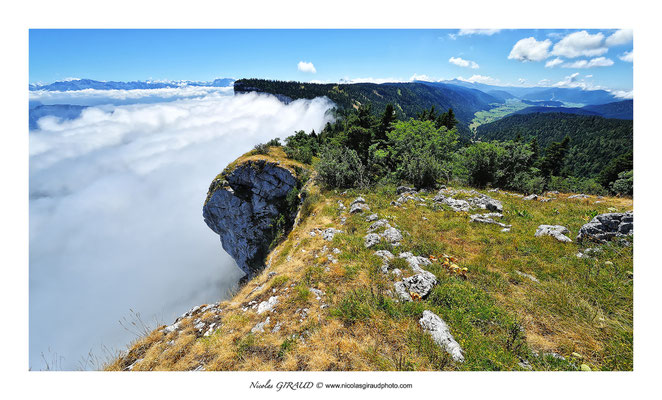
[(116, 209)]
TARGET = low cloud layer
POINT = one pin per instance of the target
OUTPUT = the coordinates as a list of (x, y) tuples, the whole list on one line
[(94, 97), (116, 212)]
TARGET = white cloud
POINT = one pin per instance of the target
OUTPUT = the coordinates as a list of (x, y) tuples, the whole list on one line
[(116, 212), (463, 63), (588, 76), (623, 94), (92, 97), (480, 79), (469, 32), (553, 63), (521, 81), (370, 80), (530, 49), (628, 56), (579, 44), (422, 77), (304, 66), (453, 36), (621, 36), (573, 81), (595, 62)]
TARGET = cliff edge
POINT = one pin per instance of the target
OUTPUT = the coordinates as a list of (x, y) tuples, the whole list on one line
[(251, 204)]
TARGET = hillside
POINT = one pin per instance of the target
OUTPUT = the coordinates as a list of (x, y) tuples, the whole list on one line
[(482, 295), (616, 110), (409, 99), (594, 141)]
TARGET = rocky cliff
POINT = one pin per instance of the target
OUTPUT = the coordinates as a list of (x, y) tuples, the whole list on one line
[(249, 206)]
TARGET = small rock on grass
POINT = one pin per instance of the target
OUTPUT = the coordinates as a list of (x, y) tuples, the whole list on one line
[(441, 335)]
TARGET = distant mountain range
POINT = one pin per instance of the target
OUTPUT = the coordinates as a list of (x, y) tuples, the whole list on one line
[(618, 110), (82, 84), (568, 95)]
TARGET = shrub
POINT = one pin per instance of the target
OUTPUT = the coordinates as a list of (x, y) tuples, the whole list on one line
[(624, 183), (423, 170), (261, 148), (341, 168)]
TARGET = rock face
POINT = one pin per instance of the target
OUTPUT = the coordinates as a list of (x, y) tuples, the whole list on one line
[(243, 208), (606, 226)]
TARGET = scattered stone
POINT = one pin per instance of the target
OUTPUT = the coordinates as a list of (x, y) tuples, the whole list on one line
[(260, 326), (455, 205), (556, 231), (276, 328), (584, 367), (420, 284), (358, 208), (505, 230), (385, 255), (486, 203), (267, 305), (415, 262), (579, 196), (441, 335), (172, 328), (372, 217), (604, 227), (392, 236), (405, 189), (358, 200), (382, 223), (545, 199), (335, 250), (371, 239), (318, 293), (530, 197), (529, 276), (552, 192), (329, 233), (341, 206), (488, 219)]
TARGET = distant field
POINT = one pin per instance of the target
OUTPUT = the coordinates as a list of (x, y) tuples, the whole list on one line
[(499, 111)]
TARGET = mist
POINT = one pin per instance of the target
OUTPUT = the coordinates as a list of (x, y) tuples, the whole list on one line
[(116, 221)]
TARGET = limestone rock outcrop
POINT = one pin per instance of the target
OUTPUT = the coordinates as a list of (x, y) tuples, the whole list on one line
[(245, 205)]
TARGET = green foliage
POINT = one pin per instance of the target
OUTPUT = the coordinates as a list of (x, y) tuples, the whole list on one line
[(624, 183), (575, 185), (261, 148), (594, 141), (619, 164), (421, 152), (302, 147), (341, 167)]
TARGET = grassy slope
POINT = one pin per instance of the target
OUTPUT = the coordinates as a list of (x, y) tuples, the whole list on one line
[(579, 305)]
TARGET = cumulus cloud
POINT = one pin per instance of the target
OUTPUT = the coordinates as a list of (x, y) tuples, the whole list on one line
[(116, 212), (578, 44), (486, 32), (304, 66), (422, 77), (595, 62), (530, 49), (621, 36), (460, 62), (553, 63), (480, 79), (623, 94), (628, 56)]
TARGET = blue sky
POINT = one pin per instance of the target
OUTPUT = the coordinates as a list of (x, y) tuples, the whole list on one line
[(588, 58)]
